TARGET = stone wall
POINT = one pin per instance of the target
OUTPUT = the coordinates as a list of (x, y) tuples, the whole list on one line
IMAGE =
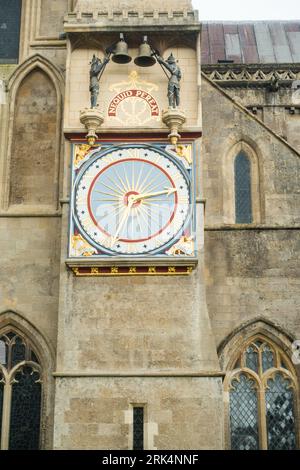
[(226, 124), (134, 324), (52, 14), (279, 110), (253, 274), (29, 271), (175, 413)]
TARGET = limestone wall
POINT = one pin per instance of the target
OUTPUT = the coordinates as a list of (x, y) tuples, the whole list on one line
[(279, 110), (251, 272), (29, 271), (175, 413), (277, 186)]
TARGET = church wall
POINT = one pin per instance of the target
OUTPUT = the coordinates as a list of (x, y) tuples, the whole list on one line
[(253, 274), (279, 110), (136, 323), (251, 271), (175, 410), (29, 270), (278, 164), (30, 133), (51, 17)]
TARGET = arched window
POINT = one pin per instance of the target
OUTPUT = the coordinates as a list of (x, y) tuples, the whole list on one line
[(262, 399), (20, 394), (243, 198)]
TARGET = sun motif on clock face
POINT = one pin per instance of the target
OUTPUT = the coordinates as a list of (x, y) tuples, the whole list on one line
[(132, 201)]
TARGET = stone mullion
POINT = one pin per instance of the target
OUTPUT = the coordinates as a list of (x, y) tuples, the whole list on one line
[(6, 415), (262, 419)]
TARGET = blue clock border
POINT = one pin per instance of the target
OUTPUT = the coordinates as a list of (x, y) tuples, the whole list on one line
[(109, 147)]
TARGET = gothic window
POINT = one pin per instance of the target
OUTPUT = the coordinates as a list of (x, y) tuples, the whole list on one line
[(20, 394), (262, 399), (10, 21), (243, 199)]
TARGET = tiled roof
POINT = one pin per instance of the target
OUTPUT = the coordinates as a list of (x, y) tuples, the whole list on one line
[(251, 43)]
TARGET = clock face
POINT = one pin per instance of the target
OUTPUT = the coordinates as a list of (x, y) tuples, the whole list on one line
[(132, 201)]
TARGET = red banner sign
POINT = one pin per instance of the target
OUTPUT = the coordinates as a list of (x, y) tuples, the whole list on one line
[(112, 110)]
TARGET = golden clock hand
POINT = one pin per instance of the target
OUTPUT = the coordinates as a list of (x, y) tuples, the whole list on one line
[(123, 220), (139, 197)]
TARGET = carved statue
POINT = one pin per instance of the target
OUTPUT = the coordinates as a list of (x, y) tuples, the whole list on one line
[(174, 80), (97, 69)]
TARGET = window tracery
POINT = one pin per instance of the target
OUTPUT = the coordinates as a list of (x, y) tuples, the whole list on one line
[(20, 394), (262, 399)]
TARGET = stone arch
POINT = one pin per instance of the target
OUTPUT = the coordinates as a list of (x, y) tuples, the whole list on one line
[(34, 132), (249, 148), (16, 322), (234, 341)]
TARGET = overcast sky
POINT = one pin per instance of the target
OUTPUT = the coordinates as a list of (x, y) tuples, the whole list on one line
[(248, 10)]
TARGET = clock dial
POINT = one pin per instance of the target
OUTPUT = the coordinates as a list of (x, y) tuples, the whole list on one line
[(132, 201)]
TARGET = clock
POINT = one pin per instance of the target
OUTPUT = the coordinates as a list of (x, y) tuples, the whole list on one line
[(132, 200)]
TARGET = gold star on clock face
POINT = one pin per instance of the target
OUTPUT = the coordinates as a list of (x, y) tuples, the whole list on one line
[(132, 201)]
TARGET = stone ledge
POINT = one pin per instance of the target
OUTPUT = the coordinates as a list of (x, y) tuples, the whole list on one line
[(117, 266), (152, 20), (254, 75), (255, 227), (136, 374)]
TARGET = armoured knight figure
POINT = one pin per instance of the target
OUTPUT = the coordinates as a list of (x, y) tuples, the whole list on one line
[(174, 81), (97, 68)]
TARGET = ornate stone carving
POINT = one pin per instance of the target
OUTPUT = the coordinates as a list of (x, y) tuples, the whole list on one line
[(174, 119), (234, 75), (92, 119)]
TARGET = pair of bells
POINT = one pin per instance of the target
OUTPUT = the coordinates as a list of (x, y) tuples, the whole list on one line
[(144, 59)]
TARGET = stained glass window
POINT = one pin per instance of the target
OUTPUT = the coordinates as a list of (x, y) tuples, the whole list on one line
[(24, 402), (25, 410), (2, 353), (252, 358), (267, 358), (280, 414), (138, 428), (18, 352), (243, 202), (276, 413), (243, 414)]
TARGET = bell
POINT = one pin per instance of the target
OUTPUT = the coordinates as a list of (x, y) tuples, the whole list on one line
[(121, 55), (145, 57)]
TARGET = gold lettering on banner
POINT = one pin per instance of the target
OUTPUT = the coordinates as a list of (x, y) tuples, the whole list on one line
[(133, 101), (112, 109)]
